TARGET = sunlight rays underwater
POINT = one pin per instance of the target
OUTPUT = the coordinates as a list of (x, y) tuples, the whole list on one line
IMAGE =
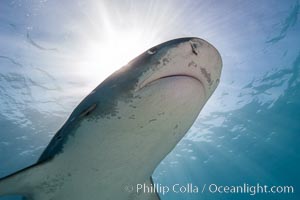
[(57, 52)]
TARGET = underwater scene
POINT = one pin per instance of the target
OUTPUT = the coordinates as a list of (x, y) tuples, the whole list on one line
[(244, 143)]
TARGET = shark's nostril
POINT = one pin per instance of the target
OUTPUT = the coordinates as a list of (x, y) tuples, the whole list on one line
[(194, 48)]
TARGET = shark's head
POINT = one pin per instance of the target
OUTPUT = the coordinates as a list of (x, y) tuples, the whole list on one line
[(156, 97), (163, 89), (189, 59), (166, 85), (185, 57)]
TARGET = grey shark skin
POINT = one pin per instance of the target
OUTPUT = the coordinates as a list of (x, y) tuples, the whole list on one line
[(120, 132)]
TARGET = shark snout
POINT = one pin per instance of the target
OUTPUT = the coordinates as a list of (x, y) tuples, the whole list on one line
[(190, 58), (205, 64)]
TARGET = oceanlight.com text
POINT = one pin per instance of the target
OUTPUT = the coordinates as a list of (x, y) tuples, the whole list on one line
[(249, 189), (191, 188)]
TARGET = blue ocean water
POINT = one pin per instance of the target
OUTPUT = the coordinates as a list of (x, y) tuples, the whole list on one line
[(52, 54)]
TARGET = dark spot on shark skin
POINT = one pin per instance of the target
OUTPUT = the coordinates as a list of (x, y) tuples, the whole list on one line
[(206, 75), (161, 113), (152, 120), (175, 127), (54, 184), (127, 101), (157, 63), (137, 97), (165, 61), (141, 127), (192, 64), (131, 117), (155, 67), (119, 117), (132, 106)]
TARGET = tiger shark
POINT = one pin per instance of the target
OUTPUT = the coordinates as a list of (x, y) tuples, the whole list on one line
[(120, 132)]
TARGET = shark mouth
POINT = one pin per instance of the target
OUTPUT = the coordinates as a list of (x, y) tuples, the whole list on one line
[(150, 81)]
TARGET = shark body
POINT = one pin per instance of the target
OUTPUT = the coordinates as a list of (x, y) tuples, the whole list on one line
[(120, 132)]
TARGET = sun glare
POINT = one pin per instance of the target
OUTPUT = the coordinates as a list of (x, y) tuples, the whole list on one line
[(110, 38), (106, 56)]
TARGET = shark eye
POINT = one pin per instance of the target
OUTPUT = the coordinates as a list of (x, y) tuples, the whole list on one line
[(152, 50), (88, 110)]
